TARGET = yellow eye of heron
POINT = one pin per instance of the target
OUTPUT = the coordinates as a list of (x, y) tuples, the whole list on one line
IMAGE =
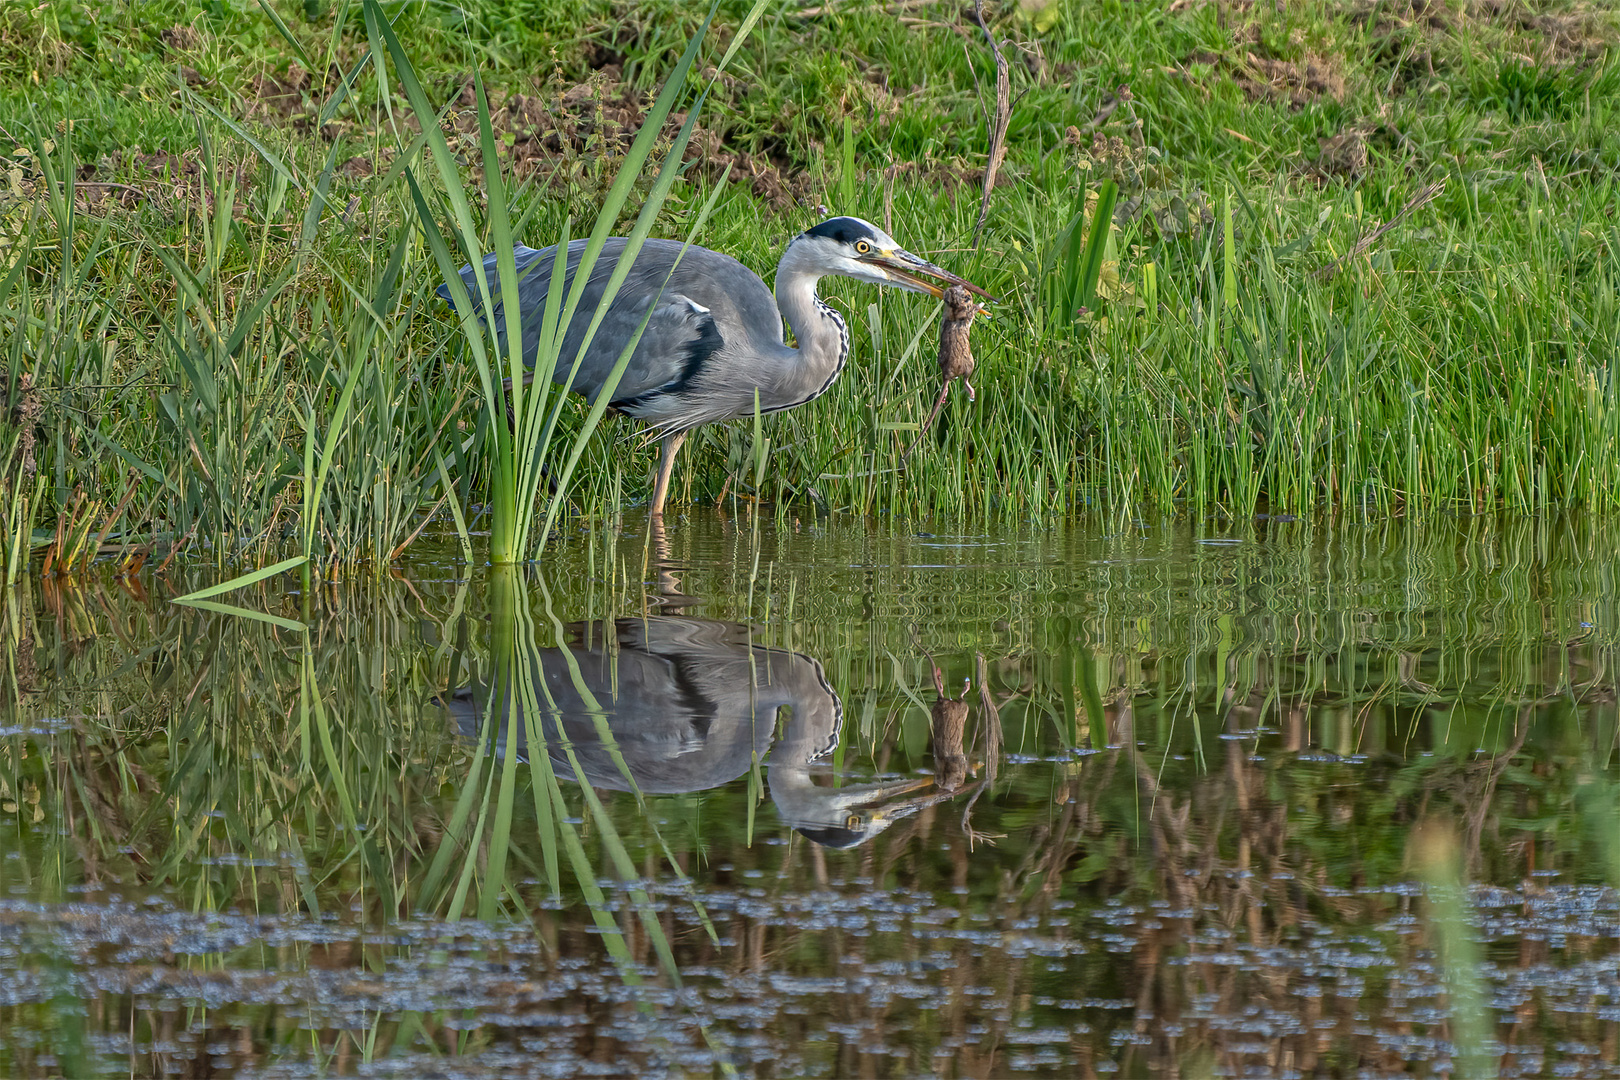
[(862, 247)]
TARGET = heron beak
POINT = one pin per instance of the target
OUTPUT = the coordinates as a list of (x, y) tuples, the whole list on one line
[(910, 272), (857, 796), (874, 807)]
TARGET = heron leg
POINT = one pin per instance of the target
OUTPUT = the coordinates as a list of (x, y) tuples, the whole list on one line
[(672, 444)]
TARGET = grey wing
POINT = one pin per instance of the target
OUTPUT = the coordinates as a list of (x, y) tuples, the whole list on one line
[(706, 291), (681, 334), (531, 292)]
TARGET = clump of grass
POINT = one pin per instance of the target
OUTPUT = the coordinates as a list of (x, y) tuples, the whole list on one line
[(493, 323)]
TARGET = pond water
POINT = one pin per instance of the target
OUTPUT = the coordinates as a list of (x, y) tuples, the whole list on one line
[(1257, 798)]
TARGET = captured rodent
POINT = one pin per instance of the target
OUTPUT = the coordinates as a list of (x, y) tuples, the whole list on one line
[(955, 354)]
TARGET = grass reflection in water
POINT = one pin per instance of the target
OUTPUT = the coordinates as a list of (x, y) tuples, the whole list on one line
[(1275, 797)]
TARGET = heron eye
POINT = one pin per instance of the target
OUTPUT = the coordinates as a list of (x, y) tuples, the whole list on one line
[(852, 822), (862, 247)]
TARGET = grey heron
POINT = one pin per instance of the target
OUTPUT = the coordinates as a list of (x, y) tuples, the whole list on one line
[(714, 339), (662, 704)]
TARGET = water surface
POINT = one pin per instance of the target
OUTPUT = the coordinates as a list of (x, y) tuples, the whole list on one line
[(1258, 799)]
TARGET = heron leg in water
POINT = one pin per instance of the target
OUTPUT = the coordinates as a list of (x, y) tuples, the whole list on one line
[(672, 444)]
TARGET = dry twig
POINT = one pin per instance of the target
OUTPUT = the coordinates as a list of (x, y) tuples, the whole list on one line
[(997, 123), (1422, 198), (990, 717)]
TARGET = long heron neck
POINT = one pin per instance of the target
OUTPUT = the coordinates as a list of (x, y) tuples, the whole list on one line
[(822, 337)]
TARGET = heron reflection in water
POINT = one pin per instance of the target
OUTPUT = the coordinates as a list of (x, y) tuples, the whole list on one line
[(667, 703)]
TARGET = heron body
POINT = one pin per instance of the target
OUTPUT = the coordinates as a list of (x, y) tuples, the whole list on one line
[(713, 347)]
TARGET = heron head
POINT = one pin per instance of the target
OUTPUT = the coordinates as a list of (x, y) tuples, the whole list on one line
[(855, 248)]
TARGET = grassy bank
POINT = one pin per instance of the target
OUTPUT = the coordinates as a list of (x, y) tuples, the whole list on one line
[(1364, 257)]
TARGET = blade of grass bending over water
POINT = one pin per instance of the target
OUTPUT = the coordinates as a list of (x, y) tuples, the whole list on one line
[(248, 613), (202, 597)]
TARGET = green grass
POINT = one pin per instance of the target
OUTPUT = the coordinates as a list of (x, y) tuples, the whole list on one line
[(218, 276)]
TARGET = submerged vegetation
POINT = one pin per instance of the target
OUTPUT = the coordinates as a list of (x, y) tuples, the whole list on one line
[(1362, 257)]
